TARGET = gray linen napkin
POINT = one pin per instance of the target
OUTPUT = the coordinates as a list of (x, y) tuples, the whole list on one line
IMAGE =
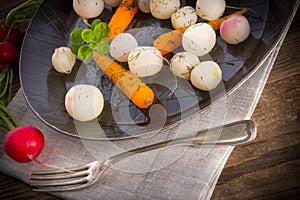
[(174, 173)]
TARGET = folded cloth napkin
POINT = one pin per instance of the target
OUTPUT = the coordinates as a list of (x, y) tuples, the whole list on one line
[(172, 173)]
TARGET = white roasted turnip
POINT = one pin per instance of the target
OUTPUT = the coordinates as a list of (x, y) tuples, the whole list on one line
[(144, 6), (199, 39), (84, 102), (184, 17), (145, 61), (112, 3), (182, 64), (163, 9), (88, 8), (210, 10), (206, 76), (121, 46)]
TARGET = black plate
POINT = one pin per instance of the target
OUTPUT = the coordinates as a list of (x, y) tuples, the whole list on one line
[(45, 89)]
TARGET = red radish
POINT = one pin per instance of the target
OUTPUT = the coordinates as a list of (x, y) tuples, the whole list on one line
[(9, 54), (14, 36), (235, 29), (24, 143), (3, 33)]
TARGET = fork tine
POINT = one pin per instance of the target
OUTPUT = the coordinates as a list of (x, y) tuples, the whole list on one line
[(65, 186), (62, 188), (59, 183), (61, 171), (67, 179), (57, 176)]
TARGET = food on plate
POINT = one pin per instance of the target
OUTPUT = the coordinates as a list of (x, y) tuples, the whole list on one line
[(215, 24), (235, 29), (210, 10), (171, 40), (121, 45), (163, 9), (183, 17), (206, 75), (63, 60), (88, 8), (199, 39), (112, 3), (138, 92), (24, 143), (84, 41), (122, 17), (182, 64), (145, 61), (144, 6), (84, 102)]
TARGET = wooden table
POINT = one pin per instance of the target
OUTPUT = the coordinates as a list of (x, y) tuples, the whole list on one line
[(269, 167)]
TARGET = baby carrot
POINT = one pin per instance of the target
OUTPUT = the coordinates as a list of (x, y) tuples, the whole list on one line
[(169, 41), (137, 91), (122, 17)]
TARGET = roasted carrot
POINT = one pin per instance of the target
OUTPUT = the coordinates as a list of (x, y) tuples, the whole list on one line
[(137, 91), (122, 17), (169, 41)]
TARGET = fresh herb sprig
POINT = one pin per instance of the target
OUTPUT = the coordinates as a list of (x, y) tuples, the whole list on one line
[(84, 41)]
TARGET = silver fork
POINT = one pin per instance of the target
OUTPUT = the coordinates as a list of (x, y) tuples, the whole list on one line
[(82, 177)]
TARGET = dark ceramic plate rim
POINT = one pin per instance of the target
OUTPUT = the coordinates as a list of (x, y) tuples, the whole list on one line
[(277, 41)]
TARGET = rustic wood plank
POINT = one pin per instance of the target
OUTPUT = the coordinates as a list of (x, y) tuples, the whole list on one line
[(269, 167), (262, 183)]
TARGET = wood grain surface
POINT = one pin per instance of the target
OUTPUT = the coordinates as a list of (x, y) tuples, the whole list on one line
[(267, 168)]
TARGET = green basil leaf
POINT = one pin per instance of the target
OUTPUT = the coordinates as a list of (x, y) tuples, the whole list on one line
[(101, 30), (75, 47), (88, 35), (75, 36), (85, 53), (93, 45), (94, 23), (103, 46)]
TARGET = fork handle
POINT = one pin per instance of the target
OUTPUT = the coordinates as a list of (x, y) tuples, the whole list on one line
[(235, 133)]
